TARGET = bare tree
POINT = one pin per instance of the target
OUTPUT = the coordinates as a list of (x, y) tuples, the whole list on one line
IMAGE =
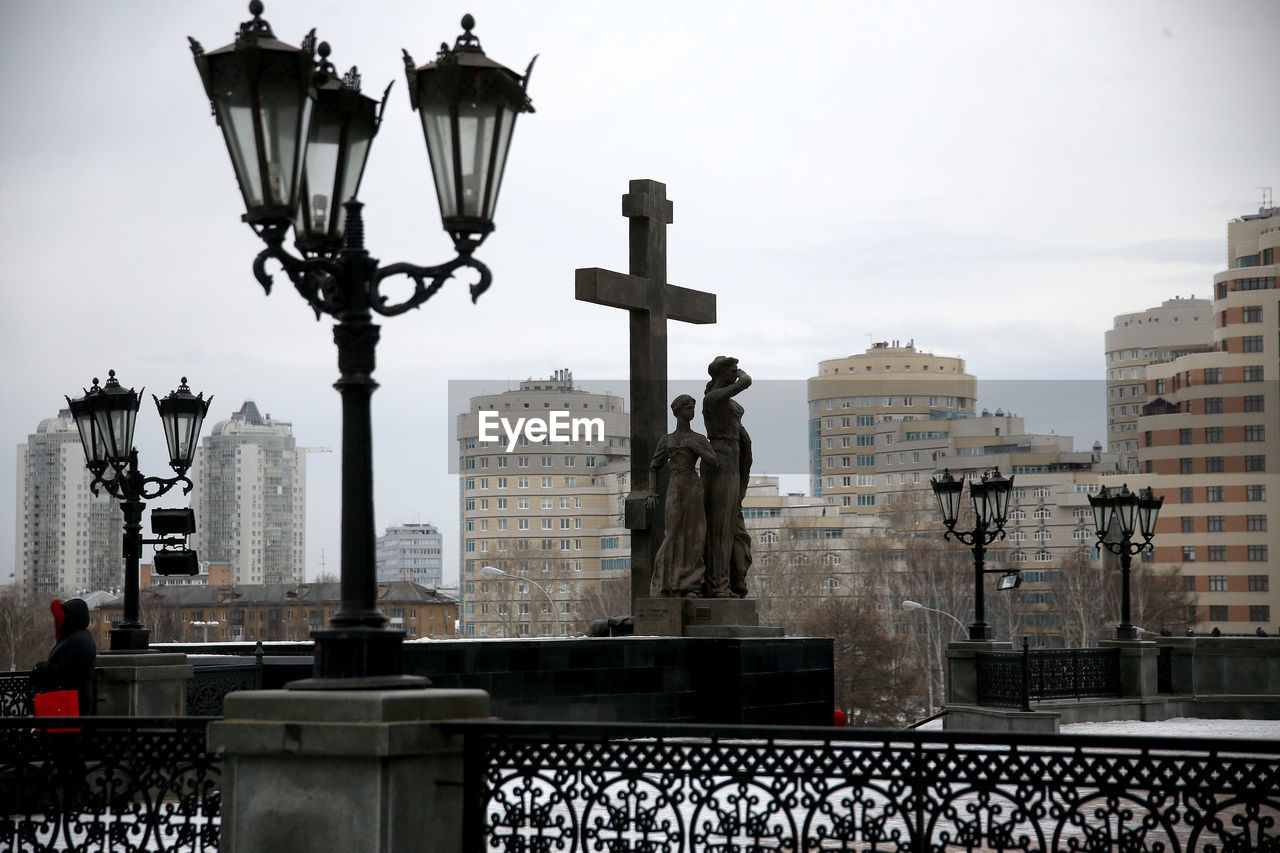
[(612, 599), (1080, 601), (1158, 598), (26, 630)]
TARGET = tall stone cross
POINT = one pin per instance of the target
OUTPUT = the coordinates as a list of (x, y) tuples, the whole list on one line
[(646, 294)]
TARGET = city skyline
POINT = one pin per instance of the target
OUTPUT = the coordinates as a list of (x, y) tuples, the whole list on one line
[(997, 185)]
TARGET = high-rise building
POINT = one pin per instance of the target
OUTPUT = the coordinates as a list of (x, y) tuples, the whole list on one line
[(66, 538), (1174, 328), (250, 498), (851, 397), (410, 552), (1210, 438), (546, 512)]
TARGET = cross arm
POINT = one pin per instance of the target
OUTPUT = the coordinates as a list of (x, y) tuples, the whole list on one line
[(618, 290)]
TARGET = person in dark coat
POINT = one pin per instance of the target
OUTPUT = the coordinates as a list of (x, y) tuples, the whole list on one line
[(70, 663)]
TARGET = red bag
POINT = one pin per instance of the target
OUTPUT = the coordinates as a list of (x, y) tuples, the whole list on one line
[(58, 703)]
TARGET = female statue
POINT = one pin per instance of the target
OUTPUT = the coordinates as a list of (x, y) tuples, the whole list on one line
[(728, 543), (679, 568)]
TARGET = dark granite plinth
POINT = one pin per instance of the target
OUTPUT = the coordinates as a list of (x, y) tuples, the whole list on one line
[(701, 617)]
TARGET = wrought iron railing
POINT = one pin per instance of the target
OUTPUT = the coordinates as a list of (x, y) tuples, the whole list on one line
[(16, 694), (118, 784), (208, 686), (1015, 679), (672, 789)]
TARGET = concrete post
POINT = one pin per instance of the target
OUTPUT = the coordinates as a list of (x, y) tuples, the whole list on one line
[(962, 668), (148, 684), (365, 771), (1138, 662)]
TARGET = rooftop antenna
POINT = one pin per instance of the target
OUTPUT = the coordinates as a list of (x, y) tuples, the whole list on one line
[(1267, 197)]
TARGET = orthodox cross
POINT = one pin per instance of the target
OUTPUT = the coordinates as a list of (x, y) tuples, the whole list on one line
[(650, 300)]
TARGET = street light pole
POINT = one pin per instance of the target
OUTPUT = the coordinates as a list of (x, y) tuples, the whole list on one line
[(495, 572), (105, 418), (990, 499), (1125, 513), (915, 605), (299, 137)]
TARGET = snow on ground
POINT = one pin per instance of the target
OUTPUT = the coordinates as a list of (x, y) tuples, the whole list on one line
[(1177, 727), (1181, 727)]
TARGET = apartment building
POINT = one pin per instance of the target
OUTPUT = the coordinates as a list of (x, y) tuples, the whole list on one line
[(547, 513), (66, 538), (410, 552), (851, 397), (1210, 441), (1172, 329), (250, 498)]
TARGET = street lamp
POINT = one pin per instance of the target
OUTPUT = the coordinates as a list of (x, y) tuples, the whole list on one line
[(1125, 513), (915, 605), (990, 498), (298, 140), (495, 572), (105, 417)]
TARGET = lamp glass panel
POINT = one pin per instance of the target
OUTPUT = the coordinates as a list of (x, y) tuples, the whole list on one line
[(284, 115), (1148, 512), (359, 138), (235, 114), (95, 450), (998, 491), (1101, 506), (981, 501), (506, 120), (476, 125), (319, 207), (437, 128), (1127, 512), (116, 428), (947, 492)]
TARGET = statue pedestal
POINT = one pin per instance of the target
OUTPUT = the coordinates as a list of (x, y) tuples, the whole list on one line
[(701, 617)]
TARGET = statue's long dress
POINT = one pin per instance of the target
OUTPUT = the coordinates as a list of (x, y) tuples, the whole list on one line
[(679, 567)]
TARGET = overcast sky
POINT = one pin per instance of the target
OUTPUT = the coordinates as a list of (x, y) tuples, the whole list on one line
[(992, 180)]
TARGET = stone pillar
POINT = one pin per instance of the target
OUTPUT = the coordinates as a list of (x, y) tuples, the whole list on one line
[(366, 771), (1138, 661), (962, 668), (147, 684)]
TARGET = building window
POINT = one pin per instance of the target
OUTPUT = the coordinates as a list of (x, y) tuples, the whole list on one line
[(1252, 343), (1189, 583), (1213, 435), (1214, 464), (1256, 523), (1212, 376), (1259, 613), (1252, 314), (1188, 524), (1214, 494), (1217, 613), (1189, 553), (1217, 553), (1259, 583), (1253, 373), (1187, 495), (1256, 553), (1185, 465), (1255, 432), (1216, 523), (1213, 406), (1254, 403), (1184, 435), (1255, 463), (1255, 493), (1217, 583)]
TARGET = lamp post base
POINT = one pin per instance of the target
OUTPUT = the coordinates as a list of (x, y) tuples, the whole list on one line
[(129, 639), (359, 659), (979, 631), (1126, 632)]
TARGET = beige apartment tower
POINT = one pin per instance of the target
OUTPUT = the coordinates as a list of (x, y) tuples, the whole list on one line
[(852, 397), (1174, 328), (547, 513), (1210, 442)]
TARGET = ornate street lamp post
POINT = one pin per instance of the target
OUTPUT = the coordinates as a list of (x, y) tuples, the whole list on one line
[(990, 511), (1125, 513), (298, 139), (105, 417)]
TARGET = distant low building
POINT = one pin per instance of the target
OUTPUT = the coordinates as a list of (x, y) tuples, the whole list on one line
[(273, 611), (410, 552)]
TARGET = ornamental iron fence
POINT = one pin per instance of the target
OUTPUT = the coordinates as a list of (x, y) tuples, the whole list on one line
[(118, 784), (671, 789), (1015, 679), (17, 694)]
